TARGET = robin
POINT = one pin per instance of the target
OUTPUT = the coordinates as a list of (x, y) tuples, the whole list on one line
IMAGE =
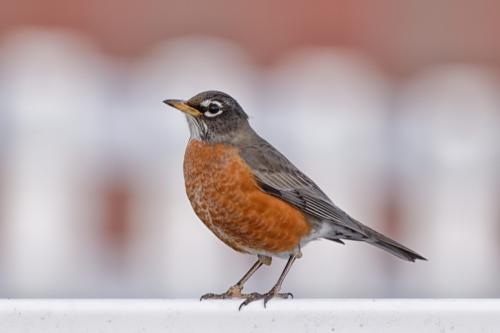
[(254, 199)]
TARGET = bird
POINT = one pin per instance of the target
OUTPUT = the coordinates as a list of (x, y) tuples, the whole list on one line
[(254, 199)]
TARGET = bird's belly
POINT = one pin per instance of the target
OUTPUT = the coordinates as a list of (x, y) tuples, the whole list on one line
[(225, 196)]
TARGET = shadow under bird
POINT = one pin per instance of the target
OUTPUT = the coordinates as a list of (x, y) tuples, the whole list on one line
[(253, 198)]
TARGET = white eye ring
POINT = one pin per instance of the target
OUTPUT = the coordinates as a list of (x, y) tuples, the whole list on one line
[(209, 114)]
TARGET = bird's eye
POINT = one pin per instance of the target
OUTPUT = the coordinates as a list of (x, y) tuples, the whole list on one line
[(213, 109)]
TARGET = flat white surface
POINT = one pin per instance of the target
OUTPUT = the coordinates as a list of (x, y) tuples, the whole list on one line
[(303, 315)]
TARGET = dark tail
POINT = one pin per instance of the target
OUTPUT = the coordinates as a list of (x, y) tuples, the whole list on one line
[(385, 243)]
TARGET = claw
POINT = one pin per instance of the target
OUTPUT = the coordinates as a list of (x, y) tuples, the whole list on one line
[(212, 296), (266, 297), (233, 292), (249, 299), (270, 296)]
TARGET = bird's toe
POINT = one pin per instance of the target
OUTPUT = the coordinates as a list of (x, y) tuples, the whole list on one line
[(232, 292)]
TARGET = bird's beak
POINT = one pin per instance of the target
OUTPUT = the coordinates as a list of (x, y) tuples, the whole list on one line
[(183, 106)]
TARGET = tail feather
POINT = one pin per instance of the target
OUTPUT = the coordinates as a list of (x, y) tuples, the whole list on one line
[(385, 243), (364, 233), (398, 250)]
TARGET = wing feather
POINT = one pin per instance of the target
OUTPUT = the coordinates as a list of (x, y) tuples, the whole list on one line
[(277, 176)]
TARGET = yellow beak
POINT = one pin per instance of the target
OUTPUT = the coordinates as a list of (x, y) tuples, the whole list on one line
[(183, 106)]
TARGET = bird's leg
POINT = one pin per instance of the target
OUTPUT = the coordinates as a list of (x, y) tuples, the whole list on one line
[(274, 292), (235, 291)]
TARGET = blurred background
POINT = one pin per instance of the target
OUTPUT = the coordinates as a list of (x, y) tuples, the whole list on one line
[(393, 107)]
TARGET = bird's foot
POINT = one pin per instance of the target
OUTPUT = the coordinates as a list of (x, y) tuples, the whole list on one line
[(232, 292), (266, 297)]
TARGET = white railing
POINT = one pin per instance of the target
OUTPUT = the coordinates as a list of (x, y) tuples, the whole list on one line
[(303, 315)]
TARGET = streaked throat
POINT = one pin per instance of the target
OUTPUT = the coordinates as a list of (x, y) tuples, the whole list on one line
[(197, 128)]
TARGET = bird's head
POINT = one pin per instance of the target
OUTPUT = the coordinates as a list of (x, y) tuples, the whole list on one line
[(212, 115)]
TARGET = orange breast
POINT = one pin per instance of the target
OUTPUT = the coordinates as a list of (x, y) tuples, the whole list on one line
[(226, 197)]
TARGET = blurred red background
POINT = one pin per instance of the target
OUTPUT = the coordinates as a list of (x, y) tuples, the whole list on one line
[(402, 36), (391, 106)]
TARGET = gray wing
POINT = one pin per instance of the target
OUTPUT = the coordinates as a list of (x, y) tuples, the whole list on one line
[(277, 176)]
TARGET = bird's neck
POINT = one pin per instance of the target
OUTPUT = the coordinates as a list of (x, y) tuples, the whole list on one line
[(199, 131)]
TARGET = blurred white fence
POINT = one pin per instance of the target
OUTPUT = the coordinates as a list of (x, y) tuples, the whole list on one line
[(150, 316), (81, 133)]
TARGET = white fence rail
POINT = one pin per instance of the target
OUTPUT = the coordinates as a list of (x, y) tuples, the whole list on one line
[(326, 315)]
